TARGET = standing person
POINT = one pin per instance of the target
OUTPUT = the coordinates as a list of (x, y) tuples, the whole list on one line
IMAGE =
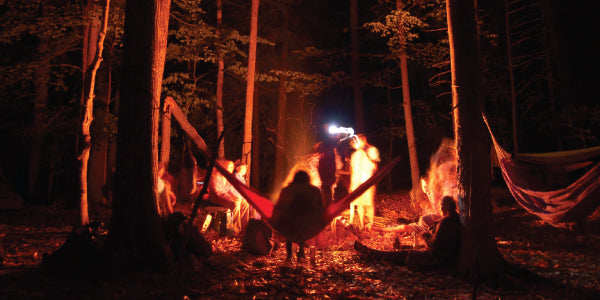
[(327, 170), (299, 206), (363, 164), (443, 242)]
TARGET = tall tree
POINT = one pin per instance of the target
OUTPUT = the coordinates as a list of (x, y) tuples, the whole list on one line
[(355, 66), (511, 76), (220, 77), (280, 135), (479, 257), (247, 146), (88, 108), (194, 47), (136, 234), (40, 111), (165, 138), (256, 151), (102, 129), (410, 132)]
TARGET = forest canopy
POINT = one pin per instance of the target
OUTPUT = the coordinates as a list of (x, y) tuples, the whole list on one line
[(541, 45)]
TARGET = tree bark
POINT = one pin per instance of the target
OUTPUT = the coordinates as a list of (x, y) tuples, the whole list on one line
[(355, 66), (99, 152), (256, 141), (479, 258), (88, 108), (136, 235), (165, 145), (410, 132), (220, 78), (247, 146), (40, 111), (513, 96), (97, 164), (280, 132), (391, 143)]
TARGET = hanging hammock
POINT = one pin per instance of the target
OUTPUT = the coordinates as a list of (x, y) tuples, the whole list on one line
[(557, 207), (262, 204)]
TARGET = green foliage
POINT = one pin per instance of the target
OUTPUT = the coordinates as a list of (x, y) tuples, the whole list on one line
[(192, 99), (425, 40), (388, 28), (43, 19), (425, 44), (25, 25), (194, 48), (324, 64)]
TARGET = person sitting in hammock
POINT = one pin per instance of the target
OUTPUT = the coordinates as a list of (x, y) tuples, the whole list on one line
[(299, 206), (443, 241), (222, 193)]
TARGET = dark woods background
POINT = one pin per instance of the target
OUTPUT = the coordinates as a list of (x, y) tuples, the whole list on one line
[(553, 49)]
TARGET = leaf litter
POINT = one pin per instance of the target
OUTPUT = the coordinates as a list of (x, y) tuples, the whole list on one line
[(568, 260)]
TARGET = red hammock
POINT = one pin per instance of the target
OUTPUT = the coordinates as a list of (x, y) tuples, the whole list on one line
[(556, 207), (262, 204)]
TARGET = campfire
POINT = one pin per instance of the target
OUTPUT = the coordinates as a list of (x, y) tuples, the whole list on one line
[(441, 178)]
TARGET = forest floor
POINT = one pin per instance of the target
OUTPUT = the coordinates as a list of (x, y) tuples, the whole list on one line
[(565, 264)]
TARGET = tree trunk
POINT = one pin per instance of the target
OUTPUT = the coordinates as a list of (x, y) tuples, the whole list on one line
[(220, 75), (410, 132), (88, 108), (355, 66), (136, 235), (165, 149), (247, 146), (98, 154), (550, 16), (391, 144), (40, 110), (513, 97), (256, 141), (98, 164), (280, 165), (479, 258), (107, 165)]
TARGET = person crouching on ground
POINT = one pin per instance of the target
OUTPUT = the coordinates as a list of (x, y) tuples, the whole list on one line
[(443, 241), (299, 206)]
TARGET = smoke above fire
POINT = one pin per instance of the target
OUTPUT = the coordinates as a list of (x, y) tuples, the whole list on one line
[(440, 180)]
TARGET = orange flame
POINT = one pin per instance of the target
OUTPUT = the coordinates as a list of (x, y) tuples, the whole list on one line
[(441, 178)]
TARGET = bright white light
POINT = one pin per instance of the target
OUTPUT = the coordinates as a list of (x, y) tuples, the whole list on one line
[(332, 129), (347, 130)]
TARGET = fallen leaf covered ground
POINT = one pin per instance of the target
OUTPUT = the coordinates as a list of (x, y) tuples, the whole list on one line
[(567, 263)]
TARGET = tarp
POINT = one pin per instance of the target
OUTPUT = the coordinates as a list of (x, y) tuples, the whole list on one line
[(561, 157)]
